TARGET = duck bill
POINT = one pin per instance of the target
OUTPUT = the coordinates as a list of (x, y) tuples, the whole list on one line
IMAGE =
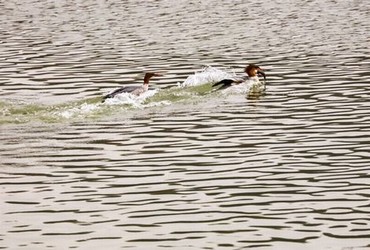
[(261, 73)]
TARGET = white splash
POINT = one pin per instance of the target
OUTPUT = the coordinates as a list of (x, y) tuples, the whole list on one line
[(157, 104), (206, 75), (130, 99), (81, 110), (212, 75)]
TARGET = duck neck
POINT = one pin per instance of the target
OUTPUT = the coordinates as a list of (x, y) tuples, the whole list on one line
[(146, 79)]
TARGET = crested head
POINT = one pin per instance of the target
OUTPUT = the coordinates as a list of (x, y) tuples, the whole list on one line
[(150, 75), (253, 70)]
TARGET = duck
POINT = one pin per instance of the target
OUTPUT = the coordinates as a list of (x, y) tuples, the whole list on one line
[(253, 72), (134, 90)]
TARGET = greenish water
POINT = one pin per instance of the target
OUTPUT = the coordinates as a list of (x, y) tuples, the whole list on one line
[(19, 113), (94, 109)]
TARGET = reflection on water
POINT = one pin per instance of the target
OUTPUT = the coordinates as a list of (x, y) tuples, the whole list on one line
[(186, 168)]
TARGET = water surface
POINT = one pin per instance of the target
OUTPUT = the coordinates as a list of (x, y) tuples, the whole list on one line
[(184, 168)]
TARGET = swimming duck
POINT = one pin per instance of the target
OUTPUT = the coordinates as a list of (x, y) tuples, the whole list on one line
[(134, 90), (253, 72)]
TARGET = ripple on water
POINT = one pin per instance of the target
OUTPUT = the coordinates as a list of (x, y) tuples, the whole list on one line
[(184, 168)]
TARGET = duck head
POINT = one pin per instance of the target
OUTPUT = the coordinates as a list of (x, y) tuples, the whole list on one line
[(253, 70), (150, 75)]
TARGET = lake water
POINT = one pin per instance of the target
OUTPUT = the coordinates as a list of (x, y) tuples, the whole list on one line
[(184, 168)]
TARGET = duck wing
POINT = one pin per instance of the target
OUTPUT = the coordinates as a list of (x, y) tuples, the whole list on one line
[(127, 89), (224, 83)]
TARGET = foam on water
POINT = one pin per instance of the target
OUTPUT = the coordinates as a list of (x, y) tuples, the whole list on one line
[(129, 99), (80, 110)]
